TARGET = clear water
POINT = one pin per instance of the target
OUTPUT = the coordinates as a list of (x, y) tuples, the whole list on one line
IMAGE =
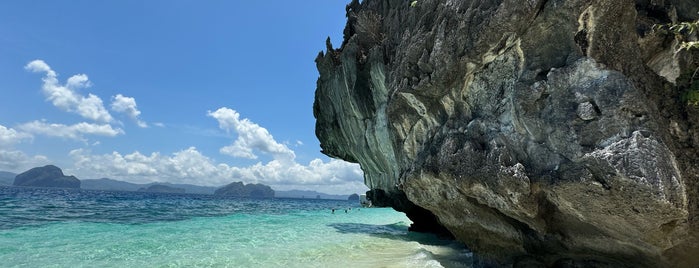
[(79, 228)]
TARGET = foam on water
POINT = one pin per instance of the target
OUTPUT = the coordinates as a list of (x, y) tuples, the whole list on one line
[(296, 238)]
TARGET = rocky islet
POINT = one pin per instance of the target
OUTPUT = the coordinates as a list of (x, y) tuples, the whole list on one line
[(46, 176)]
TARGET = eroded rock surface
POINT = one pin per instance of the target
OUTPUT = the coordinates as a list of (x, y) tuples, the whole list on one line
[(538, 132)]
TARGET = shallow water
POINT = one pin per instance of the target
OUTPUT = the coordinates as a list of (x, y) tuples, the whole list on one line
[(78, 228)]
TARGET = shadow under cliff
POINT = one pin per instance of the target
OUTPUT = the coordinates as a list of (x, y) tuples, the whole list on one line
[(423, 220)]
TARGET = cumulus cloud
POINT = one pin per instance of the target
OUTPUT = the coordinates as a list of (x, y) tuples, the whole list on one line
[(127, 105), (186, 166), (66, 97), (17, 161), (191, 166), (9, 136), (251, 137), (75, 132)]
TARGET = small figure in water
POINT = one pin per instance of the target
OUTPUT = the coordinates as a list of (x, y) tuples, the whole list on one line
[(333, 211), (345, 211)]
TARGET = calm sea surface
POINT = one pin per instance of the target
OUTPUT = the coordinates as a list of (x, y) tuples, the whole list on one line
[(42, 227)]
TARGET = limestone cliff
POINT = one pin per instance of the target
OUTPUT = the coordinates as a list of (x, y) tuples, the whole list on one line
[(538, 132)]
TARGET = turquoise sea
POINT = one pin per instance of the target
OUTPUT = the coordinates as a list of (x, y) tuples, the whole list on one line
[(42, 227)]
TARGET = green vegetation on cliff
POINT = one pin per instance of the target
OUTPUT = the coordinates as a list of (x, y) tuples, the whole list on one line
[(686, 36)]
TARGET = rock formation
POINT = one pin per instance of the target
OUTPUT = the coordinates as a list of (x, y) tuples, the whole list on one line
[(46, 176), (538, 132), (239, 189)]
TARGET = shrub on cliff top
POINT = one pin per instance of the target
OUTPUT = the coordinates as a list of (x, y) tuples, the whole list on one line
[(368, 28)]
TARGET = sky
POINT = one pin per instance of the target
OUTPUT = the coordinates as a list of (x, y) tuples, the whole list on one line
[(179, 91)]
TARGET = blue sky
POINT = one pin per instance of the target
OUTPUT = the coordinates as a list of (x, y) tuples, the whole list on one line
[(201, 92)]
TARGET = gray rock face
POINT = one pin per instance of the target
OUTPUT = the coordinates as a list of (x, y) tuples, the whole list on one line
[(538, 132), (47, 176)]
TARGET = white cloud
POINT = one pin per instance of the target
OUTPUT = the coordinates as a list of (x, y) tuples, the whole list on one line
[(40, 66), (75, 132), (251, 137), (66, 96), (191, 166), (17, 161), (10, 136), (78, 81), (186, 166), (127, 105), (316, 172)]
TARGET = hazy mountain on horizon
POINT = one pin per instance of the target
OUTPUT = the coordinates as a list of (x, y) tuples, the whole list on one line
[(161, 188), (7, 178), (107, 184), (308, 195)]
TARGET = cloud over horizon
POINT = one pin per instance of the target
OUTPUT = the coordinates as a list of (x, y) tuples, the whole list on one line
[(18, 161), (193, 167), (190, 166), (9, 136), (251, 137)]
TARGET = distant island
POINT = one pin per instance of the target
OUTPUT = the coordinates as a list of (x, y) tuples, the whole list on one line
[(46, 176), (239, 189), (160, 188)]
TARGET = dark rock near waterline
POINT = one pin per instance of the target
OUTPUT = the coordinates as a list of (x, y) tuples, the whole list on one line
[(539, 133), (47, 176), (239, 189)]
